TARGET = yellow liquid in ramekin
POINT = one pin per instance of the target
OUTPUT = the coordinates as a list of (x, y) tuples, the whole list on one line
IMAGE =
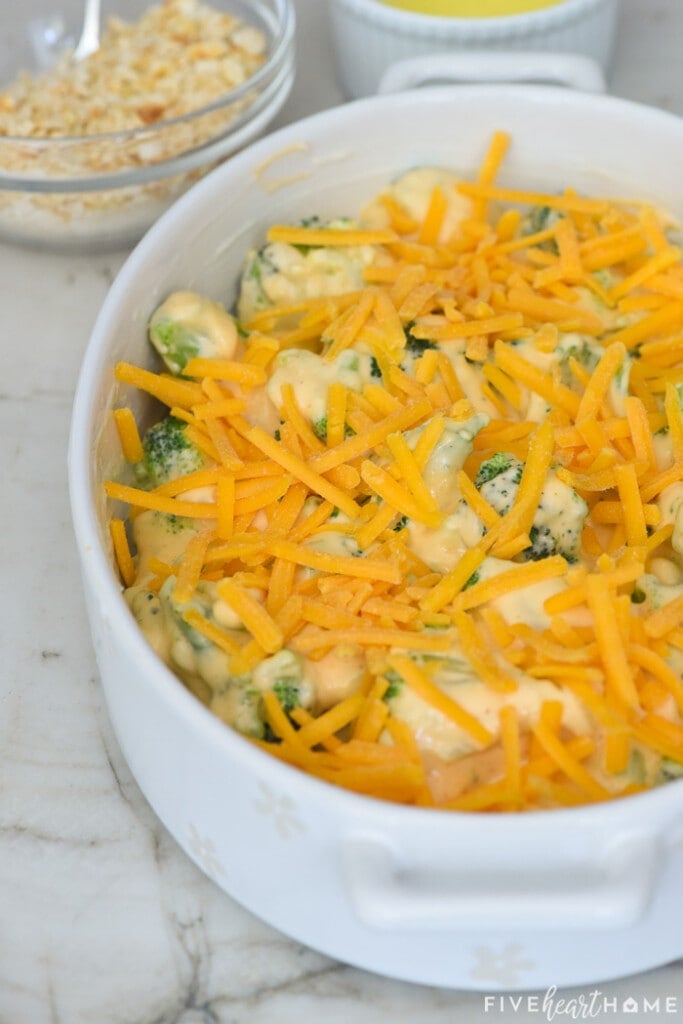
[(471, 8)]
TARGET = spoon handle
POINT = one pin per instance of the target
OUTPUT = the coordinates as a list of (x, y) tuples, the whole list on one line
[(90, 34)]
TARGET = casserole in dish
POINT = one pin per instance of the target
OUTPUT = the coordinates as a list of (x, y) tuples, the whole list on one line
[(507, 901)]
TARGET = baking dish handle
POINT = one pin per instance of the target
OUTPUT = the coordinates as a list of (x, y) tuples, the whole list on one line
[(609, 890), (569, 69)]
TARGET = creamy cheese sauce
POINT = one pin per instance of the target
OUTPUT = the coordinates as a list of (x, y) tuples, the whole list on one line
[(310, 377), (470, 379), (670, 503), (413, 191), (447, 459), (442, 548), (524, 605), (441, 736)]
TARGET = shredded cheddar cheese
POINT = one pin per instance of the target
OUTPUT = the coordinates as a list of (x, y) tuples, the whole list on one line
[(420, 533), (124, 560)]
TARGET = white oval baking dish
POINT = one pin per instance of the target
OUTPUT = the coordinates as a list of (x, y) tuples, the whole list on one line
[(369, 36), (467, 901)]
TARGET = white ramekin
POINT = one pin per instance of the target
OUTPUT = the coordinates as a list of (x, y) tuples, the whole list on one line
[(369, 36), (491, 902)]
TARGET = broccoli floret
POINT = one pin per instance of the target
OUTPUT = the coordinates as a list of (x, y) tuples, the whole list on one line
[(309, 222), (374, 368), (499, 463), (188, 325), (202, 601), (395, 685), (636, 769), (671, 769), (606, 278), (581, 350), (540, 219), (168, 454), (288, 693), (174, 343), (498, 479), (283, 674), (543, 544), (174, 524), (474, 578), (320, 428), (400, 524), (575, 347), (279, 269), (559, 518), (241, 705), (257, 265), (416, 346), (558, 522), (260, 263)]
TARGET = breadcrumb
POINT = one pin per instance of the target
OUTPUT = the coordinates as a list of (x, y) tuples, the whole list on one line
[(180, 56)]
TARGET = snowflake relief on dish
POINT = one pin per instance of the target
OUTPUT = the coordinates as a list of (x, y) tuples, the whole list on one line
[(505, 966), (281, 809), (203, 851)]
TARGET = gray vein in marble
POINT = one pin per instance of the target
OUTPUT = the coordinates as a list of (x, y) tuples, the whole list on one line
[(212, 1009), (114, 770), (55, 1016), (28, 832)]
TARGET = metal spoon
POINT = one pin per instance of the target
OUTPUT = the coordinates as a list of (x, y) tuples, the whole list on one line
[(90, 33)]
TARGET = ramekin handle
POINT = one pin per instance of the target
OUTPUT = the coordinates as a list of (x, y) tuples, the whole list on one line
[(569, 69), (609, 891)]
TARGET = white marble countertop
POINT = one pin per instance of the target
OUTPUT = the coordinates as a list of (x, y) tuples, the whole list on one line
[(103, 920)]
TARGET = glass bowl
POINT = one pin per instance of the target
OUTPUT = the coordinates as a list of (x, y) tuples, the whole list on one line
[(103, 190)]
